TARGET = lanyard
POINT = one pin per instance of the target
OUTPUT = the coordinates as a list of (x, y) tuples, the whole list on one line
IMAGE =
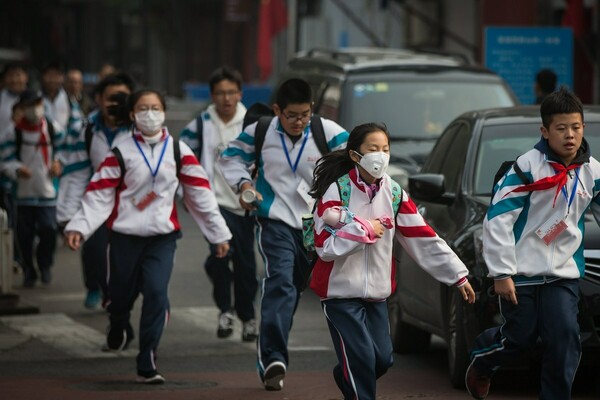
[(287, 154), (573, 191), (162, 153)]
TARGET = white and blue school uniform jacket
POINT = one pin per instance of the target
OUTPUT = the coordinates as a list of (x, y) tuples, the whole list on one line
[(79, 165), (511, 247), (38, 151), (348, 268), (276, 180), (215, 136), (58, 108), (112, 197)]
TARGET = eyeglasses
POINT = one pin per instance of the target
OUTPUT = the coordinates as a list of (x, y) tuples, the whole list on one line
[(304, 118), (225, 93)]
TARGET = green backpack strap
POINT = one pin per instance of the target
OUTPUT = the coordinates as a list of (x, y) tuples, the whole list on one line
[(344, 187), (397, 194)]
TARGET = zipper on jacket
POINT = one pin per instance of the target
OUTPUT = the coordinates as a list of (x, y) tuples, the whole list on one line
[(366, 272)]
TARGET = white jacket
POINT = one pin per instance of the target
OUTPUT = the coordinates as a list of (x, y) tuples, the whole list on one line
[(107, 198), (511, 246), (347, 268)]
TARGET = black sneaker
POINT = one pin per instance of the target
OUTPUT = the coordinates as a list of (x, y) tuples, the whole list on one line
[(274, 374), (225, 328), (118, 339), (150, 377)]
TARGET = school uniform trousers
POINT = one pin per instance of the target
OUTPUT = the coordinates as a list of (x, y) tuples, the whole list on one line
[(360, 333), (286, 265), (548, 311), (35, 221), (141, 265), (244, 268)]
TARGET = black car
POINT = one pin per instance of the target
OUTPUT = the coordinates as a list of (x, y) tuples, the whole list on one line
[(452, 192), (416, 94)]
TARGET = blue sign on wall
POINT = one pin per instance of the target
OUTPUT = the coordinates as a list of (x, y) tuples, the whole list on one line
[(517, 54)]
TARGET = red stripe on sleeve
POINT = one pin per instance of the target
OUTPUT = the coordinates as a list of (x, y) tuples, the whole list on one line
[(416, 231), (194, 181), (189, 160), (103, 184), (174, 219), (408, 207), (109, 162), (321, 207)]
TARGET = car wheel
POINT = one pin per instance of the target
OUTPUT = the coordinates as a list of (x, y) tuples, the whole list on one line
[(406, 338), (458, 353)]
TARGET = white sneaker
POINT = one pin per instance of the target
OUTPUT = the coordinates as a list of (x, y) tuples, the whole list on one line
[(151, 378), (225, 328), (249, 331), (274, 374)]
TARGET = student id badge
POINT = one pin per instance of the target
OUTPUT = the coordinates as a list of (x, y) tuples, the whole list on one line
[(303, 189), (551, 229), (145, 201)]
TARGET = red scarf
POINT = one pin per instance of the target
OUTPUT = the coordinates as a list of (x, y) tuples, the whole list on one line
[(559, 180), (42, 128)]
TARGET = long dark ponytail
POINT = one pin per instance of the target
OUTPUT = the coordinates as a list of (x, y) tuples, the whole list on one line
[(337, 163)]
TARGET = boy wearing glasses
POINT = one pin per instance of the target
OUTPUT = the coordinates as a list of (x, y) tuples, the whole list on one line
[(207, 136), (285, 173)]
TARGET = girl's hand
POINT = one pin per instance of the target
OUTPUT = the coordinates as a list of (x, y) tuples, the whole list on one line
[(378, 227), (56, 168), (467, 293), (73, 239), (222, 250)]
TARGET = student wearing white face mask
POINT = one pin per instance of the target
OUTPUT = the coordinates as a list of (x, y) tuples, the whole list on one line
[(28, 156), (360, 211), (134, 189)]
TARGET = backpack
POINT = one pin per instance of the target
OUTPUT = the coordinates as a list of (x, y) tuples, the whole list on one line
[(19, 138), (264, 114), (121, 162), (504, 168), (344, 187)]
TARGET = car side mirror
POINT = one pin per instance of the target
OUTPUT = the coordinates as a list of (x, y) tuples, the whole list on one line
[(430, 188)]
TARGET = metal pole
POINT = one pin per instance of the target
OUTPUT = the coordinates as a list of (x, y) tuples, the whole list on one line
[(292, 29), (6, 256)]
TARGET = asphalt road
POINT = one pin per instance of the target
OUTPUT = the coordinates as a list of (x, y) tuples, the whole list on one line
[(55, 354)]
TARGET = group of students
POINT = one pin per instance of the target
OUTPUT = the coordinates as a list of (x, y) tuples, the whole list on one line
[(358, 212)]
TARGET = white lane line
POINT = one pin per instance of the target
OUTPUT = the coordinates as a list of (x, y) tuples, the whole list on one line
[(63, 333)]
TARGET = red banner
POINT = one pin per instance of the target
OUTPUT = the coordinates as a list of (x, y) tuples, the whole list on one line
[(272, 19)]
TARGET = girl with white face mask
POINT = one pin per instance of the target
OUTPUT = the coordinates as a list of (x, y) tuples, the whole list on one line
[(145, 228), (359, 213)]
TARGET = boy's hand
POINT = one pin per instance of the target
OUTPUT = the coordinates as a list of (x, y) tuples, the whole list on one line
[(505, 288), (467, 293)]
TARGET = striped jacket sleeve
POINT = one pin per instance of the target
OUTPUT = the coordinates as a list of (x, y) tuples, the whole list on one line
[(199, 199), (189, 136), (237, 159), (99, 199), (76, 175), (8, 155), (430, 251)]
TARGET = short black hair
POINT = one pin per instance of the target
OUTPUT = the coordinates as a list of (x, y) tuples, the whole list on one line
[(118, 78), (562, 101), (142, 92), (222, 74), (293, 91), (546, 79), (53, 66)]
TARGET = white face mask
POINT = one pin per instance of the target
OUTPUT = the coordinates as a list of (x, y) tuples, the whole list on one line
[(375, 163), (149, 122), (34, 114)]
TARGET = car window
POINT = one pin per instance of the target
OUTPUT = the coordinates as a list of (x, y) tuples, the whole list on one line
[(501, 143), (454, 162), (420, 109), (436, 158), (330, 103)]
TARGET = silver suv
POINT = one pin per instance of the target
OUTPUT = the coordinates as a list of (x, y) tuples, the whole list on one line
[(415, 94)]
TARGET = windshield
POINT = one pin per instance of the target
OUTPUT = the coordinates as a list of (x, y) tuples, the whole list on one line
[(421, 110), (506, 142)]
